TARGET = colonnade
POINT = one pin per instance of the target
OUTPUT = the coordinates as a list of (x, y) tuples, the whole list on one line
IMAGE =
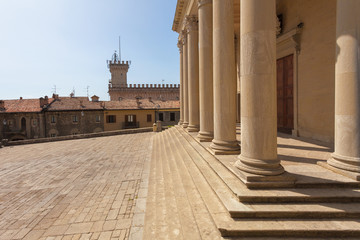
[(208, 83)]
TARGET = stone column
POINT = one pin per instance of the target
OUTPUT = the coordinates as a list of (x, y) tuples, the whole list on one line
[(258, 89), (180, 46), (185, 81), (224, 141), (206, 132), (193, 73), (347, 87)]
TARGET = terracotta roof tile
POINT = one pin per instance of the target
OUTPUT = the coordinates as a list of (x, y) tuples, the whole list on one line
[(73, 103), (22, 105)]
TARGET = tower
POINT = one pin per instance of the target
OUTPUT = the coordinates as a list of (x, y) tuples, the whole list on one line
[(118, 70)]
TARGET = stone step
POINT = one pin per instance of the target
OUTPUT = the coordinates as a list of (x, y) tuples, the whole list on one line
[(242, 210), (180, 223), (283, 195), (174, 220), (204, 223), (300, 211), (316, 228), (260, 227)]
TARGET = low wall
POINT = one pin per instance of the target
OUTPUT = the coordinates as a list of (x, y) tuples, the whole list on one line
[(80, 136)]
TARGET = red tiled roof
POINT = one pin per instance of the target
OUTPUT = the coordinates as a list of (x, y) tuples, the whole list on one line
[(73, 103), (22, 105), (144, 104)]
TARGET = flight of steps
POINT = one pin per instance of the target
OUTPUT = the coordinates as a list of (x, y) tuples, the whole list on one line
[(194, 196)]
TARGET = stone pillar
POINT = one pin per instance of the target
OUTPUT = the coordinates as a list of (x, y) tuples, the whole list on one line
[(347, 87), (258, 89), (237, 57), (193, 73), (180, 45), (185, 81), (206, 132), (224, 141)]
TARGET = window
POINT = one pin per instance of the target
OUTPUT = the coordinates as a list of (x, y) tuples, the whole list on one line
[(34, 122), (172, 116), (53, 119), (10, 123), (130, 118), (149, 118), (97, 118), (111, 119), (161, 116), (75, 118), (53, 135)]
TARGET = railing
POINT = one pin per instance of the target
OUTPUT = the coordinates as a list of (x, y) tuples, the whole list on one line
[(127, 125)]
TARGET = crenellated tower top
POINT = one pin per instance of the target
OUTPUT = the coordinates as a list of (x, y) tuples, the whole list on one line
[(118, 70)]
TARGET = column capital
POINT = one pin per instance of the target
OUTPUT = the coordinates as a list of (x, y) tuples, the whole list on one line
[(191, 23), (183, 37), (180, 44), (204, 2)]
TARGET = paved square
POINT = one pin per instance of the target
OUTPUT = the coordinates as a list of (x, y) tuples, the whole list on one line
[(79, 189)]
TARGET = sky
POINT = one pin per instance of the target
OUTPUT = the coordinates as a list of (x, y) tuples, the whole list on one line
[(65, 43)]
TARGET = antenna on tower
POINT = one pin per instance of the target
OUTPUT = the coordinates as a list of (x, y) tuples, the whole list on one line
[(119, 49)]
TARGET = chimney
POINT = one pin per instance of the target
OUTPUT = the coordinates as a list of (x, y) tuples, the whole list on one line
[(55, 96), (20, 98), (94, 98), (2, 104), (44, 101), (150, 99)]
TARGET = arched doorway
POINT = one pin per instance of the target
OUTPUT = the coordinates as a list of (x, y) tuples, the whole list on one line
[(23, 124)]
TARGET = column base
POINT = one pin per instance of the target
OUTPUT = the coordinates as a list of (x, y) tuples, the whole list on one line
[(219, 147), (205, 136), (344, 163), (352, 175), (192, 128), (185, 124), (255, 181), (180, 122), (259, 167)]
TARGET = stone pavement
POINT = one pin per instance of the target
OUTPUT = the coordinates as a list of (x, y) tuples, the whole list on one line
[(78, 189)]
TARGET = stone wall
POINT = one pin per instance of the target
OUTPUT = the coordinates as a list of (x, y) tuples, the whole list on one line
[(156, 91), (64, 123), (80, 136), (13, 129)]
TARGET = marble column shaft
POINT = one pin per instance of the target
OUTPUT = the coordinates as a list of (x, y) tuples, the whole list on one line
[(258, 89), (193, 74), (347, 87), (180, 45), (206, 132), (224, 141), (185, 81)]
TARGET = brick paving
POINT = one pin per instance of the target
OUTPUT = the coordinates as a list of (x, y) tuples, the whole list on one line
[(79, 189)]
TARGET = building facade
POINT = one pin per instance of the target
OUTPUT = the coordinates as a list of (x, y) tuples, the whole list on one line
[(22, 118), (294, 64), (119, 88), (139, 113), (73, 115)]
